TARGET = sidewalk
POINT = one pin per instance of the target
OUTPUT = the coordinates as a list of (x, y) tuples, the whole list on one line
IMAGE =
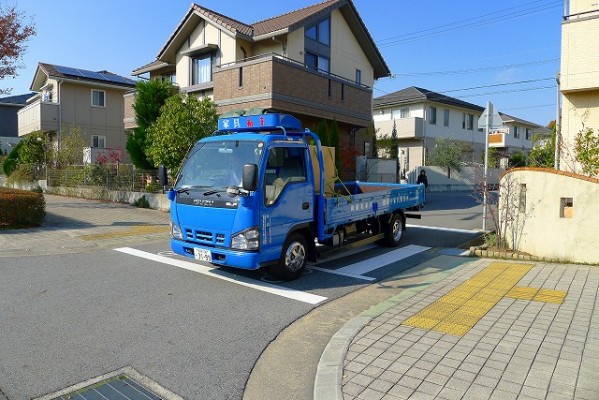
[(74, 225), (485, 330)]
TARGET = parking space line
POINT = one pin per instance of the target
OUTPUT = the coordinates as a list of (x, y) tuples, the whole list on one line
[(226, 276)]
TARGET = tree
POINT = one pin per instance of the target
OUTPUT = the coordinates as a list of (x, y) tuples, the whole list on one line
[(449, 153), (32, 150), (323, 132), (182, 122), (334, 142), (393, 151), (70, 151), (518, 159), (13, 34), (149, 98), (543, 152), (586, 147)]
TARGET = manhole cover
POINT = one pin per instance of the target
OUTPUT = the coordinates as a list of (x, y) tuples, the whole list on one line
[(124, 384)]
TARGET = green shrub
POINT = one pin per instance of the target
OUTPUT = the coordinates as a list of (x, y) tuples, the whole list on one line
[(22, 173), (21, 208), (141, 202)]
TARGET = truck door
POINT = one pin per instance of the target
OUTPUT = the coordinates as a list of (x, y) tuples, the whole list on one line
[(288, 197)]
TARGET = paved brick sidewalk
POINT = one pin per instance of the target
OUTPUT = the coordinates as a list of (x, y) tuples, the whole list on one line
[(76, 225), (490, 330)]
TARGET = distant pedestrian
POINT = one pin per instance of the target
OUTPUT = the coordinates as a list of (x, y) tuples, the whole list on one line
[(422, 179)]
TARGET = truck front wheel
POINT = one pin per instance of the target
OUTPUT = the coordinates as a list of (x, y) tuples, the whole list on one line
[(293, 258), (394, 230)]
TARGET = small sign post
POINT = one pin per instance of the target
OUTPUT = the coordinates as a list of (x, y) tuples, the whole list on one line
[(489, 120)]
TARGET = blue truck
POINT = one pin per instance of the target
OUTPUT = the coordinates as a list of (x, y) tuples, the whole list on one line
[(253, 195)]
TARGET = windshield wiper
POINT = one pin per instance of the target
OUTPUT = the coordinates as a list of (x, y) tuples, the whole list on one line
[(214, 191)]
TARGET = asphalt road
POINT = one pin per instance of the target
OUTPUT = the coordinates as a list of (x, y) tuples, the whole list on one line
[(68, 318)]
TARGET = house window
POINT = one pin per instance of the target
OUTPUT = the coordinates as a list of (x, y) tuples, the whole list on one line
[(445, 117), (99, 141), (469, 122), (201, 70), (404, 113), (320, 32), (463, 120), (316, 62), (240, 77), (432, 115), (358, 76), (98, 98), (516, 133), (528, 134)]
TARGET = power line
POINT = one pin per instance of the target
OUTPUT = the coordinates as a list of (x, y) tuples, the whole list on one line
[(473, 70), (393, 38), (500, 84), (438, 31), (506, 91)]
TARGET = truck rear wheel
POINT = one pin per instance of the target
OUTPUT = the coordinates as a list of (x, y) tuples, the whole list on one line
[(394, 230), (293, 258)]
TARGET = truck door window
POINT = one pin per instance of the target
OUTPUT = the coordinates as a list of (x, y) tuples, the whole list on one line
[(284, 166)]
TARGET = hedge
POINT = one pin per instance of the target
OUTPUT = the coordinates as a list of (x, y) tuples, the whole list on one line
[(21, 208)]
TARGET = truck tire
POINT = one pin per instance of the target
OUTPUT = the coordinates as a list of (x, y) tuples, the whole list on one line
[(394, 230), (293, 259)]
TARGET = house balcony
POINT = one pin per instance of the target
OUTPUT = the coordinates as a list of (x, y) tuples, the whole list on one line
[(407, 128), (39, 115), (271, 81), (579, 61)]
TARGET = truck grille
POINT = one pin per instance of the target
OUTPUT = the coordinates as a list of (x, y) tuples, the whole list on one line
[(204, 237)]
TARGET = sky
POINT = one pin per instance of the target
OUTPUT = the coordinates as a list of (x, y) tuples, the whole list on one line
[(503, 51)]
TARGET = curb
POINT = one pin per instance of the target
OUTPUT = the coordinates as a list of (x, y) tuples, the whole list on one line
[(329, 373)]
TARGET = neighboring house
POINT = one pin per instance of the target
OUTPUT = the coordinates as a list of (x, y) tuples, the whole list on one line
[(420, 116), (9, 107), (579, 74), (317, 62), (89, 100)]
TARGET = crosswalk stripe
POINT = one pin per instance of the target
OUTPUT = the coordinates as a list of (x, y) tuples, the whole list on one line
[(304, 297)]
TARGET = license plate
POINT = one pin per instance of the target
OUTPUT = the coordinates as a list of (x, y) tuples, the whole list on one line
[(202, 255)]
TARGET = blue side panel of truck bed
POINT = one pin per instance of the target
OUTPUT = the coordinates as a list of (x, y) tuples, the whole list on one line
[(360, 200)]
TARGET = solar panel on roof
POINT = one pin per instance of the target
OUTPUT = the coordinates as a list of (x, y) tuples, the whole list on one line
[(68, 70), (92, 75)]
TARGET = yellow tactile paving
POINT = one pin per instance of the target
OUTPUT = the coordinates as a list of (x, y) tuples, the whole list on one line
[(550, 296), (136, 230), (461, 308)]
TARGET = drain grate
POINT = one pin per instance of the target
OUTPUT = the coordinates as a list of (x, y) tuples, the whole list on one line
[(124, 384), (119, 388)]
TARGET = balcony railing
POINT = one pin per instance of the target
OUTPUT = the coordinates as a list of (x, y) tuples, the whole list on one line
[(39, 115), (265, 56), (407, 128)]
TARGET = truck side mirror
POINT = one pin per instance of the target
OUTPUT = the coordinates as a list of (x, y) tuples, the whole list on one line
[(162, 176), (250, 177)]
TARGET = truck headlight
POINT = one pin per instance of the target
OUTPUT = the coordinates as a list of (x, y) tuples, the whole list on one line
[(246, 240), (176, 231)]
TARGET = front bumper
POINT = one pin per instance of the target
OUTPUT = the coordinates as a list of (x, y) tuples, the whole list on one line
[(220, 256)]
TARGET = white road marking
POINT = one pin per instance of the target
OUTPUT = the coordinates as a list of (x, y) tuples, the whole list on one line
[(226, 276), (363, 267), (438, 228), (337, 272)]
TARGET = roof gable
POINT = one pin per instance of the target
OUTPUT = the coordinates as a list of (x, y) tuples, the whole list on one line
[(284, 23), (415, 94)]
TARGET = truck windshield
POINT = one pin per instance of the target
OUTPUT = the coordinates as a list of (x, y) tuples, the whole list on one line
[(218, 165)]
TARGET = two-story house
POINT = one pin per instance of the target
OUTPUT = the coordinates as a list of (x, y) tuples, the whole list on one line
[(579, 74), (420, 116), (91, 101), (318, 62)]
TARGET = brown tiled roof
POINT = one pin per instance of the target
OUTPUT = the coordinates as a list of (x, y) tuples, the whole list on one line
[(289, 21), (293, 18), (229, 23)]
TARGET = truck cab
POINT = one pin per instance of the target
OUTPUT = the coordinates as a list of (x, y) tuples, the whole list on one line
[(222, 217)]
